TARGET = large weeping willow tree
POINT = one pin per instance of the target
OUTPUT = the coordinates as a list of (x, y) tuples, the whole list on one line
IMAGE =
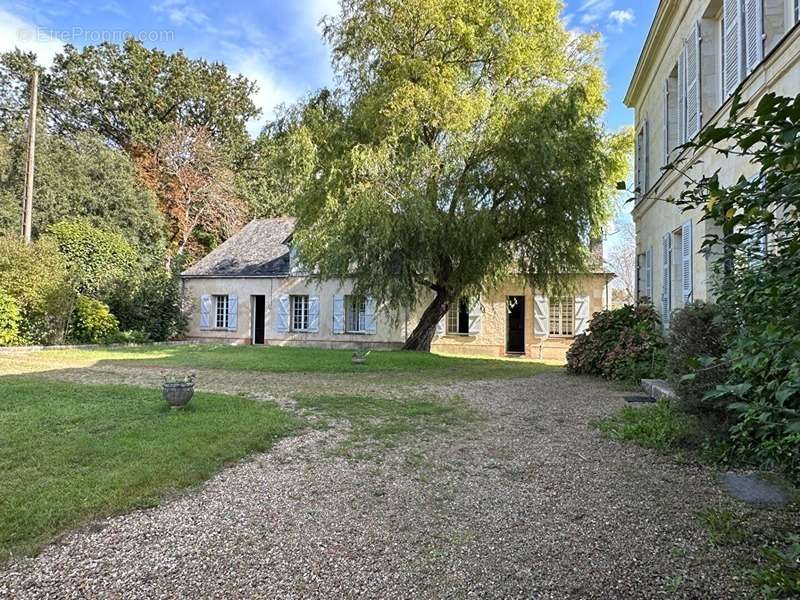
[(463, 143)]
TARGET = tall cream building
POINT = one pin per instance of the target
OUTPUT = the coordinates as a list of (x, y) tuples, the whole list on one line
[(698, 53)]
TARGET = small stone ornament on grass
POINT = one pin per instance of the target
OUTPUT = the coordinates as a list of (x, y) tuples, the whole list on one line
[(177, 391), (360, 357)]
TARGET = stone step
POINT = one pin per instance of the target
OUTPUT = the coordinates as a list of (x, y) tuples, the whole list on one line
[(658, 389)]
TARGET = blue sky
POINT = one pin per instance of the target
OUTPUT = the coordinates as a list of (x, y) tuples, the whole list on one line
[(277, 43)]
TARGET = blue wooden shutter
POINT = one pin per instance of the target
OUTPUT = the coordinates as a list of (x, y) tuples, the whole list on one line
[(686, 261), (753, 33), (475, 314), (313, 314), (205, 312), (338, 314), (370, 320), (733, 46), (283, 314), (541, 316), (581, 314), (233, 310), (694, 115)]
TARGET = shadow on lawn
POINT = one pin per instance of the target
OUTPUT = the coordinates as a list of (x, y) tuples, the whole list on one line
[(395, 367)]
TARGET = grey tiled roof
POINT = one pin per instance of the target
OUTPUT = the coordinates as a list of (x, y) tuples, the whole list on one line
[(255, 251)]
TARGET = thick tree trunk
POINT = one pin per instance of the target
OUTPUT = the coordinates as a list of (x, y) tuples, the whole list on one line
[(420, 338)]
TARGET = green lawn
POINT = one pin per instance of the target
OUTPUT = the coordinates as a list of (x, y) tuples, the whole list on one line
[(71, 452), (270, 359)]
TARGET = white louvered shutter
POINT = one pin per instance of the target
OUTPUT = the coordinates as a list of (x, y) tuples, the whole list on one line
[(648, 273), (541, 316), (233, 313), (371, 323), (686, 261), (475, 318), (733, 45), (693, 101), (313, 314), (283, 314), (638, 283), (753, 33), (647, 155), (581, 314), (666, 280), (440, 326), (205, 312), (338, 314), (667, 149), (638, 184), (682, 96)]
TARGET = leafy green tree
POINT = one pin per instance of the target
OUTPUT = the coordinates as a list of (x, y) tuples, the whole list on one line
[(133, 98), (80, 179), (130, 95), (464, 144), (151, 305), (97, 259), (36, 276), (754, 247)]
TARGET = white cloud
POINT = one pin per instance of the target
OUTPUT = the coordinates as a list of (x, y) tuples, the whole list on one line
[(18, 33), (593, 11), (272, 90), (181, 12), (318, 9), (619, 18)]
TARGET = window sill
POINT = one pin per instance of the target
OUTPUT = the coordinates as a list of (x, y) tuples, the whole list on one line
[(451, 334), (357, 333)]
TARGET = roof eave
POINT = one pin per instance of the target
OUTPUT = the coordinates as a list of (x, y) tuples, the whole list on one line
[(664, 11)]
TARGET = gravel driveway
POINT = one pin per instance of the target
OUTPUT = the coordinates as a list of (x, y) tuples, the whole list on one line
[(527, 502)]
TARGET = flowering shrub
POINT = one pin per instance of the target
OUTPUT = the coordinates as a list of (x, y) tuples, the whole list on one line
[(623, 344)]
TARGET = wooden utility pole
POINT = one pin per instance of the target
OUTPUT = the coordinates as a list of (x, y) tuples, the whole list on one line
[(27, 202)]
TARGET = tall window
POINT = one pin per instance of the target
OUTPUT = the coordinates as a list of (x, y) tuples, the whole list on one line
[(355, 314), (299, 307), (221, 312), (562, 317), (458, 318)]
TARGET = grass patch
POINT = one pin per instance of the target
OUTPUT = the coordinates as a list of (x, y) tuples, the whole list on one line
[(659, 426), (384, 421), (723, 526), (70, 453), (411, 367)]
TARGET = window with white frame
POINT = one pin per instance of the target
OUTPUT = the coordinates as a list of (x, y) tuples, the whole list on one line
[(221, 312), (355, 314), (458, 318), (562, 317), (299, 308)]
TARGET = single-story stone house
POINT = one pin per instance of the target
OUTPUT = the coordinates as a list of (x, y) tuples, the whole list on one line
[(251, 290)]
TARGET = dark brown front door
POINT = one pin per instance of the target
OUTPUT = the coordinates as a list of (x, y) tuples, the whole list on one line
[(515, 331), (258, 319)]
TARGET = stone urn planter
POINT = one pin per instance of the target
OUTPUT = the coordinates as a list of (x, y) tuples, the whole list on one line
[(178, 392), (360, 357)]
